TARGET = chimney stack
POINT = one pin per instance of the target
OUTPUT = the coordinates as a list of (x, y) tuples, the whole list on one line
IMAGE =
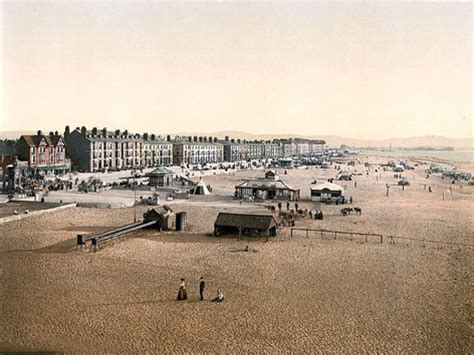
[(39, 133), (84, 131)]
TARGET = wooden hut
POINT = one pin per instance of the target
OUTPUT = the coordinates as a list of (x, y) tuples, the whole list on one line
[(245, 224), (325, 191), (267, 189), (163, 214)]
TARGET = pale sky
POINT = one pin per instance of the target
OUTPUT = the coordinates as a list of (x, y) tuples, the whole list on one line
[(361, 70)]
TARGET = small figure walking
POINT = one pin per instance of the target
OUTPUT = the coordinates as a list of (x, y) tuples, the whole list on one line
[(202, 286), (287, 206), (182, 293)]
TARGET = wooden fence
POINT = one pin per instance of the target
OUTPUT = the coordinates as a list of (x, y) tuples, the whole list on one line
[(333, 234)]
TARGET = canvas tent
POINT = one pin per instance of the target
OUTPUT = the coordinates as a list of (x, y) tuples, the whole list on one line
[(201, 189)]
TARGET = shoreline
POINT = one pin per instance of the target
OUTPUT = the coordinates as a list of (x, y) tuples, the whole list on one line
[(460, 165)]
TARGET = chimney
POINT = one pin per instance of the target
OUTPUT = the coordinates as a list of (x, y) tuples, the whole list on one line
[(226, 138), (232, 140), (56, 133), (205, 139), (215, 139), (168, 138), (51, 133), (104, 131), (200, 139), (145, 136), (238, 140), (67, 131), (210, 139), (94, 131), (84, 131), (39, 133), (117, 133), (195, 138), (125, 133)]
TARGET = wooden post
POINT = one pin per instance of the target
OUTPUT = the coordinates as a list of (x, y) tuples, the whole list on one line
[(381, 238), (291, 232), (366, 239), (307, 234), (352, 237), (335, 235)]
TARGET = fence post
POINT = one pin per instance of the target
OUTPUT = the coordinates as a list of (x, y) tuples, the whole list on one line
[(291, 232), (335, 235), (307, 233), (366, 240), (381, 238), (352, 238)]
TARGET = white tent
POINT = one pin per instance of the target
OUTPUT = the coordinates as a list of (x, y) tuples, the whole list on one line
[(201, 189)]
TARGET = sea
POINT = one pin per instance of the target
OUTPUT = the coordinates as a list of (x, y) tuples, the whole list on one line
[(456, 155)]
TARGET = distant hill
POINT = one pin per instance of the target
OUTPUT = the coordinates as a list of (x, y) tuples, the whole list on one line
[(14, 134), (333, 141)]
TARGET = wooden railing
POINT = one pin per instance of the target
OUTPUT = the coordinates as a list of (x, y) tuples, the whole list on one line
[(97, 239), (333, 234)]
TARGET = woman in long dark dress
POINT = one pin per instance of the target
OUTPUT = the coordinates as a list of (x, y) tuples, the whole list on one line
[(182, 293)]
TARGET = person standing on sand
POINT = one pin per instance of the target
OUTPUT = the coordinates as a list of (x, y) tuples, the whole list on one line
[(202, 286), (182, 293)]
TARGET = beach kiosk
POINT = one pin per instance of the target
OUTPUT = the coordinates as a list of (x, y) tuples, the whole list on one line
[(325, 191)]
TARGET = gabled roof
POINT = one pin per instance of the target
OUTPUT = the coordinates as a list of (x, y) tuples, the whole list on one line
[(265, 184), (35, 140), (253, 221), (327, 186)]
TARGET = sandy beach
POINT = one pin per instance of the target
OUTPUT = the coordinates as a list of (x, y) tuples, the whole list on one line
[(295, 294)]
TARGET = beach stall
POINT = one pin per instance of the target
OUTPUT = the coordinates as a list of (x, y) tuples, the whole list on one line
[(325, 191), (268, 188), (245, 224)]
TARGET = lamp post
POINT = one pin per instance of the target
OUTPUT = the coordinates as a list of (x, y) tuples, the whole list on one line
[(134, 202)]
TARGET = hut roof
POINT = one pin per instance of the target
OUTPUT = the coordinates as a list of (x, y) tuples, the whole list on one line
[(238, 220), (160, 172), (327, 186), (265, 184)]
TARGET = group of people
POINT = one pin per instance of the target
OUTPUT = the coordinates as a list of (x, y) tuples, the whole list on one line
[(183, 293)]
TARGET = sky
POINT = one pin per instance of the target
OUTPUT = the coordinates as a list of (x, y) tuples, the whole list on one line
[(361, 70)]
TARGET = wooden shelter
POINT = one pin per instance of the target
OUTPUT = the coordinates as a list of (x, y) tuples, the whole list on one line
[(267, 189), (163, 215), (325, 191), (245, 224)]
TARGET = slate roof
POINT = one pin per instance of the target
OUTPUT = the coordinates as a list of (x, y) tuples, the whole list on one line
[(327, 186), (160, 172), (35, 140), (265, 184), (253, 221)]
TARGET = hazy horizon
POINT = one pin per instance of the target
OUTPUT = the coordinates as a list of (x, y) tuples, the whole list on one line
[(359, 70)]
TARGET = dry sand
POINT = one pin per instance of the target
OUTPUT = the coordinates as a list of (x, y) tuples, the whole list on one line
[(295, 294)]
